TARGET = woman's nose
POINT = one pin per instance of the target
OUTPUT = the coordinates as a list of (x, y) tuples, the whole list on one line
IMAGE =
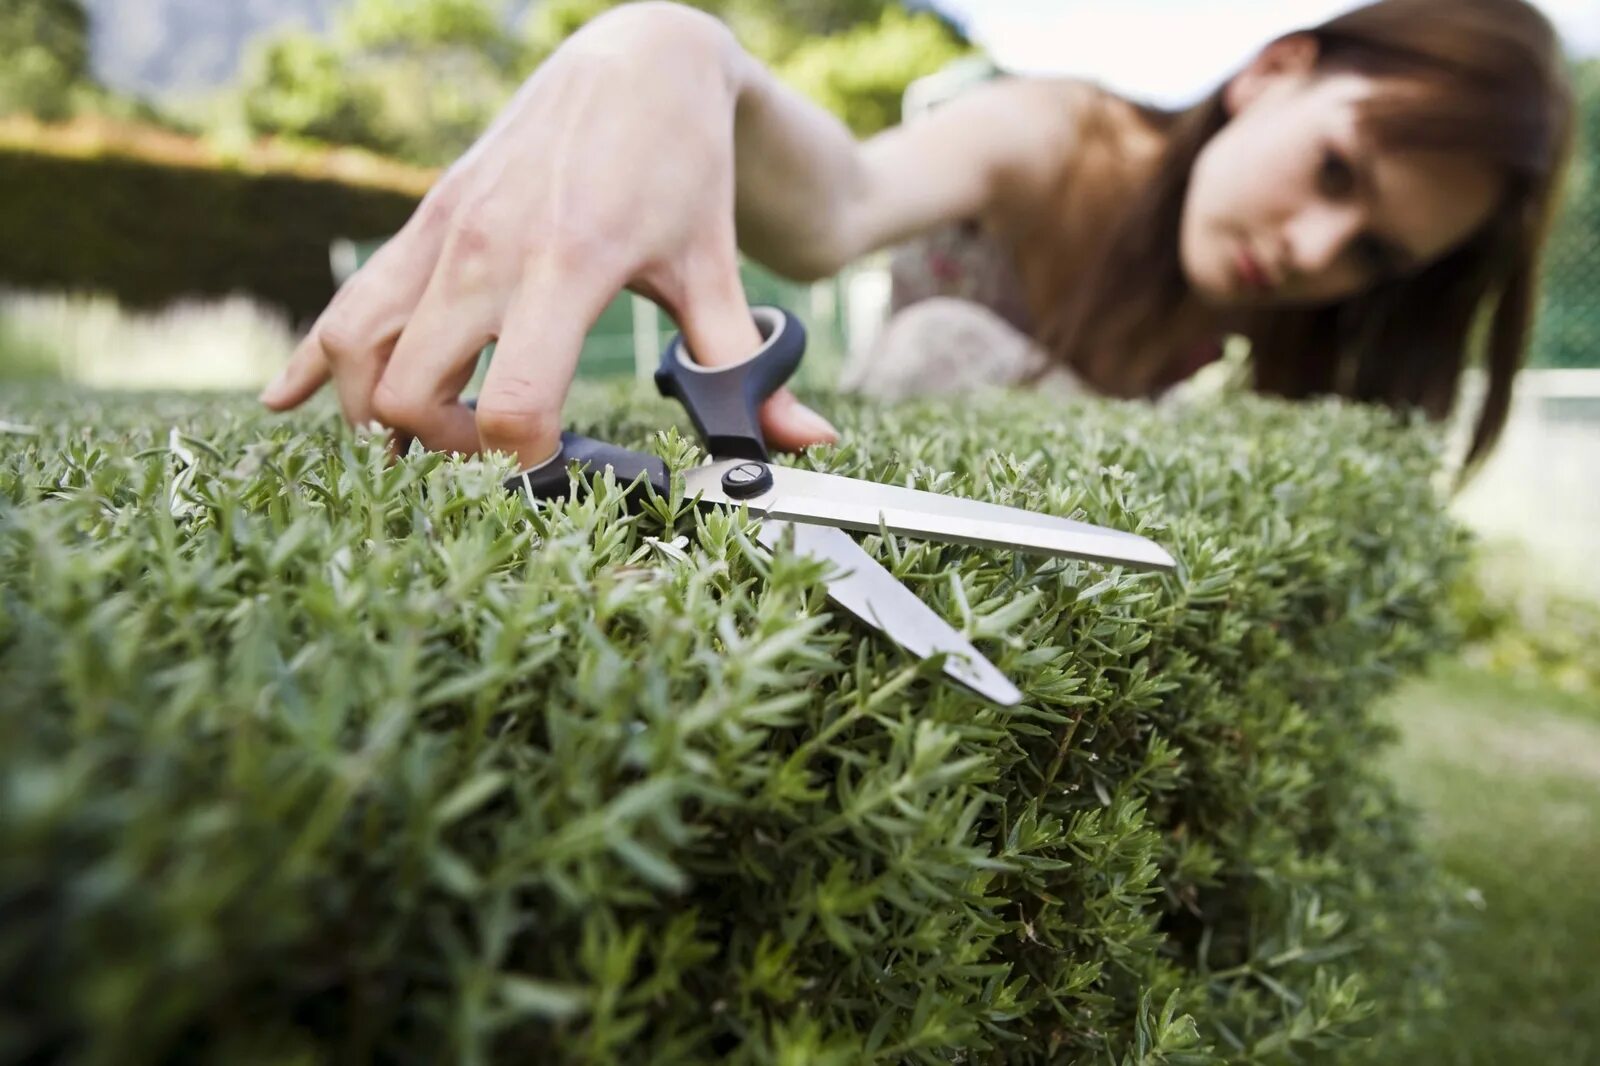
[(1318, 236)]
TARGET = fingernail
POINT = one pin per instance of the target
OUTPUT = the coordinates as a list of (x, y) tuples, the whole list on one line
[(815, 423), (274, 388)]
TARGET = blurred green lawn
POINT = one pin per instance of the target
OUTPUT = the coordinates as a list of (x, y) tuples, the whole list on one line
[(1508, 777)]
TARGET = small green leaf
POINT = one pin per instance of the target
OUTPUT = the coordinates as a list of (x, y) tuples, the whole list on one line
[(469, 797), (542, 999)]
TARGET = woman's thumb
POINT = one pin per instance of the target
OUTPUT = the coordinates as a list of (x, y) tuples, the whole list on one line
[(726, 335), (790, 425)]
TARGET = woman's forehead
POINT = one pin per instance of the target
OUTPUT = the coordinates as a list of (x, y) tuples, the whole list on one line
[(1431, 201)]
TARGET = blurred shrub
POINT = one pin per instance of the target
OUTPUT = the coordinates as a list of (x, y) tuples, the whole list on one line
[(149, 231), (1519, 624), (307, 757)]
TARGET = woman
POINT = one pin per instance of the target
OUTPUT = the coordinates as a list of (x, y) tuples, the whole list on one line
[(1361, 201)]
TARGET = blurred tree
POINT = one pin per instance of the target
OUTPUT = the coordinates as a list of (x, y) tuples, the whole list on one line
[(46, 49), (553, 21), (861, 74), (296, 84), (854, 57), (442, 67), (421, 78), (415, 78), (420, 27)]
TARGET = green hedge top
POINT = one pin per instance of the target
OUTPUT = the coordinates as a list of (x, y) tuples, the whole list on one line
[(151, 230), (305, 758)]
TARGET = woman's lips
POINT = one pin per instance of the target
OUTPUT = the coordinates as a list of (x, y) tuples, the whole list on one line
[(1251, 272)]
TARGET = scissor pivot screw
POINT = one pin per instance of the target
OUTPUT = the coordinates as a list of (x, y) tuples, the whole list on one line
[(746, 480)]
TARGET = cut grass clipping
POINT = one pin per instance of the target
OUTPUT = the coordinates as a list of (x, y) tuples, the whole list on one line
[(308, 758)]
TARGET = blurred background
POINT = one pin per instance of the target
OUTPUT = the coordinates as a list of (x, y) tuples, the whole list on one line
[(183, 184)]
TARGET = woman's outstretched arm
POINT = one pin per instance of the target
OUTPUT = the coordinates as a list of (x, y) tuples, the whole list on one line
[(811, 197), (641, 155)]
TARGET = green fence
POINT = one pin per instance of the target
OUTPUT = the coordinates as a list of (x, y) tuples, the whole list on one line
[(1568, 329), (1568, 332)]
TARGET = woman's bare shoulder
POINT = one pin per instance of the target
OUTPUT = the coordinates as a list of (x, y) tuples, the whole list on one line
[(997, 148), (1045, 120)]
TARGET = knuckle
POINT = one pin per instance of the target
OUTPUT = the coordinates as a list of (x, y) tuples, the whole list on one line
[(511, 416), (579, 242), (571, 256), (472, 237), (339, 335), (437, 209), (471, 252), (352, 324), (397, 406)]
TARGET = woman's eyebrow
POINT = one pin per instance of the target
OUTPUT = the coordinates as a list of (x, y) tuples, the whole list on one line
[(1402, 257)]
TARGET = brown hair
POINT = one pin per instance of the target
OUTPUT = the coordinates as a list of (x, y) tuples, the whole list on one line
[(1498, 90)]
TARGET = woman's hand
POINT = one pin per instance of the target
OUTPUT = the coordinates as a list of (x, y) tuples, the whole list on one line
[(612, 168)]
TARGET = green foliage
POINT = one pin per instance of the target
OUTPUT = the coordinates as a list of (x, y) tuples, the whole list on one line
[(46, 48), (422, 78), (416, 78), (308, 757), (861, 73), (298, 85), (443, 68), (770, 29), (407, 25), (553, 21), (1519, 627), (150, 233), (45, 70)]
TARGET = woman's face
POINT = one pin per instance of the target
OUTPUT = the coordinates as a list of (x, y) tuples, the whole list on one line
[(1291, 203)]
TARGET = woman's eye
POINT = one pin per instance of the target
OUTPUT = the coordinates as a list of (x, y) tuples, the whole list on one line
[(1336, 176)]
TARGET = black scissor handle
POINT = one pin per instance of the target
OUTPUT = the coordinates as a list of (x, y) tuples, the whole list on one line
[(723, 401), (549, 481)]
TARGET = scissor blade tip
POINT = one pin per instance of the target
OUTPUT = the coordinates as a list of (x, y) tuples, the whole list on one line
[(1145, 554), (990, 684)]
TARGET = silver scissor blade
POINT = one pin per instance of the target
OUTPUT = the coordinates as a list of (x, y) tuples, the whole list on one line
[(813, 497), (868, 591)]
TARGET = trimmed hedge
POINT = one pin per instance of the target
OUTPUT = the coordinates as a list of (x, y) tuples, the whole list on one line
[(304, 758), (150, 232)]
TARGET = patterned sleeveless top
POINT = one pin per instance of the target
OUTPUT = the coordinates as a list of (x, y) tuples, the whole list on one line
[(961, 261)]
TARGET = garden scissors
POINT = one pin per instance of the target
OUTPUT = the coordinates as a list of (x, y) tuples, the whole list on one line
[(819, 507)]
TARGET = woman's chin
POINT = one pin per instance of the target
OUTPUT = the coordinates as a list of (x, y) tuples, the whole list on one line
[(1219, 292), (1212, 283)]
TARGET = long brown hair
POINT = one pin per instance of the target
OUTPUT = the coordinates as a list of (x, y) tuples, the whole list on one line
[(1498, 90)]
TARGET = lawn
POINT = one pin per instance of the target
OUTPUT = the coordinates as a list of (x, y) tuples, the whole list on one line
[(1508, 776)]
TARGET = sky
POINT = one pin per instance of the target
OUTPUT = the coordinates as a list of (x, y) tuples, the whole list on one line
[(1172, 51)]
